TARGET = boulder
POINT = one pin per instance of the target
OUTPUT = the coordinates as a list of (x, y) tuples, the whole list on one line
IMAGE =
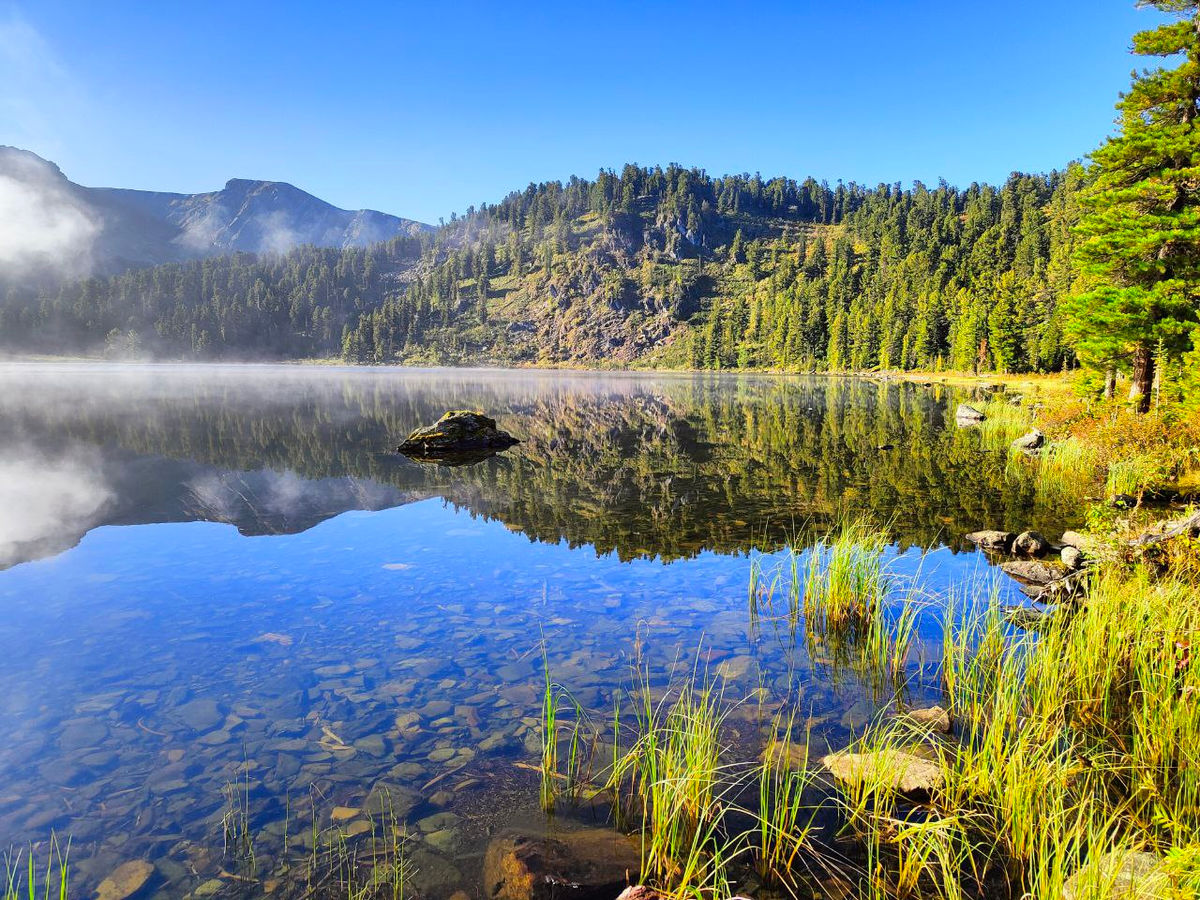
[(1119, 875), (904, 772), (589, 864), (1030, 543), (1075, 539), (1030, 443), (1072, 557), (458, 431), (968, 415), (1033, 571), (995, 541)]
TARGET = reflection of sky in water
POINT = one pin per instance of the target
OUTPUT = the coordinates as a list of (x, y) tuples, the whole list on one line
[(142, 667)]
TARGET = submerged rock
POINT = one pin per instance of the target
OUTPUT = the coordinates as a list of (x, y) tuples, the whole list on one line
[(591, 864), (126, 880), (904, 772), (996, 541), (933, 718), (968, 415), (1119, 875), (1030, 443), (458, 431)]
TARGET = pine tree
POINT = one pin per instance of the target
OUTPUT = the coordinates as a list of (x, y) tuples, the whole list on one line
[(1139, 252)]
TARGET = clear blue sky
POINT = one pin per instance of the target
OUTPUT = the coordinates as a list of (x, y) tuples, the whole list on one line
[(421, 109)]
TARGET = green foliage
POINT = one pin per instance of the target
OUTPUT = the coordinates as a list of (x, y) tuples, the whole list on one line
[(1139, 253)]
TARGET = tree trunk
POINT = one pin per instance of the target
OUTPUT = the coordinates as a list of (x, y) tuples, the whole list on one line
[(1143, 378), (1110, 382)]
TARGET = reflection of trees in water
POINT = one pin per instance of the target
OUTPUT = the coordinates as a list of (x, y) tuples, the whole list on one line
[(656, 466)]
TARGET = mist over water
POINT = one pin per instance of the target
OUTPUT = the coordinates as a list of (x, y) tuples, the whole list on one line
[(212, 569)]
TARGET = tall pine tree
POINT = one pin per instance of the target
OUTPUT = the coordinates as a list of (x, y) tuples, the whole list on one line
[(1139, 252)]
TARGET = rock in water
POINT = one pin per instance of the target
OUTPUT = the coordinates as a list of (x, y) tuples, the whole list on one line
[(458, 431), (1030, 543), (996, 541), (933, 718), (1032, 571), (968, 415), (1030, 443), (591, 864), (125, 881), (904, 772)]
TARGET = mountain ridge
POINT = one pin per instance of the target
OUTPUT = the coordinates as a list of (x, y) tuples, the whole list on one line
[(73, 230)]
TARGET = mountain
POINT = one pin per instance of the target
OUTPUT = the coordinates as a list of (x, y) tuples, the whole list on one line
[(665, 267), (63, 230)]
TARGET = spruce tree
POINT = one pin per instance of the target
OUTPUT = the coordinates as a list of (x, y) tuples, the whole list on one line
[(1139, 248)]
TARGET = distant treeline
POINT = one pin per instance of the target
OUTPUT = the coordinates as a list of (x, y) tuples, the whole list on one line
[(657, 266)]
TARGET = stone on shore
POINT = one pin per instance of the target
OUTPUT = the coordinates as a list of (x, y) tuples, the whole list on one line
[(1071, 557), (1033, 571)]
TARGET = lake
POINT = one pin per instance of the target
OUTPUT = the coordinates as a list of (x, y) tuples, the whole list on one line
[(223, 590)]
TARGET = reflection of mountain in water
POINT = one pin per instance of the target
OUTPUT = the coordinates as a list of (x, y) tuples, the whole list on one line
[(663, 466)]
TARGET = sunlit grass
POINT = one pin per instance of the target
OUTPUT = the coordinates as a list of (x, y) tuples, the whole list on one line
[(27, 878)]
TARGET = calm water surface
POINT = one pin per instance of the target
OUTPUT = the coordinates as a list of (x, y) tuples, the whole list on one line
[(217, 575)]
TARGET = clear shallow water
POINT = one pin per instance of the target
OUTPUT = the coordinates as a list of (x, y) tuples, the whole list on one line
[(224, 570)]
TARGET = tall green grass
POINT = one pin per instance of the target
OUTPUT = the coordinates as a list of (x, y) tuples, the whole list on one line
[(27, 879)]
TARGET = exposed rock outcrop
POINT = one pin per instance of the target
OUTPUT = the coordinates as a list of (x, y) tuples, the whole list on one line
[(458, 431)]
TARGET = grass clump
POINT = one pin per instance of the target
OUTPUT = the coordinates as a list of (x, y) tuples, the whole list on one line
[(845, 582), (26, 879)]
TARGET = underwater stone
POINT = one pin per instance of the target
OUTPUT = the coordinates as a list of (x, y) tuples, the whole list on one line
[(126, 880), (932, 717), (590, 864)]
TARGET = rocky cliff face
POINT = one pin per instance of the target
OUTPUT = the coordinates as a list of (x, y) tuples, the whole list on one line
[(64, 230)]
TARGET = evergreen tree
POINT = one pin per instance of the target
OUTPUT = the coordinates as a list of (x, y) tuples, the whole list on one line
[(1139, 253)]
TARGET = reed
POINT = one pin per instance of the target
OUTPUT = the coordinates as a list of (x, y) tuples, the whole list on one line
[(1066, 469), (26, 879)]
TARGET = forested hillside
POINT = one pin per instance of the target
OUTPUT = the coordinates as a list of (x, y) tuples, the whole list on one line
[(666, 267)]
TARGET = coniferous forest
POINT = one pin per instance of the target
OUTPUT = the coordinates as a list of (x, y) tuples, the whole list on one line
[(657, 266), (1096, 264)]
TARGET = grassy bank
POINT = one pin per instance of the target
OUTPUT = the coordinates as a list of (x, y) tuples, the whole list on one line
[(1071, 767)]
